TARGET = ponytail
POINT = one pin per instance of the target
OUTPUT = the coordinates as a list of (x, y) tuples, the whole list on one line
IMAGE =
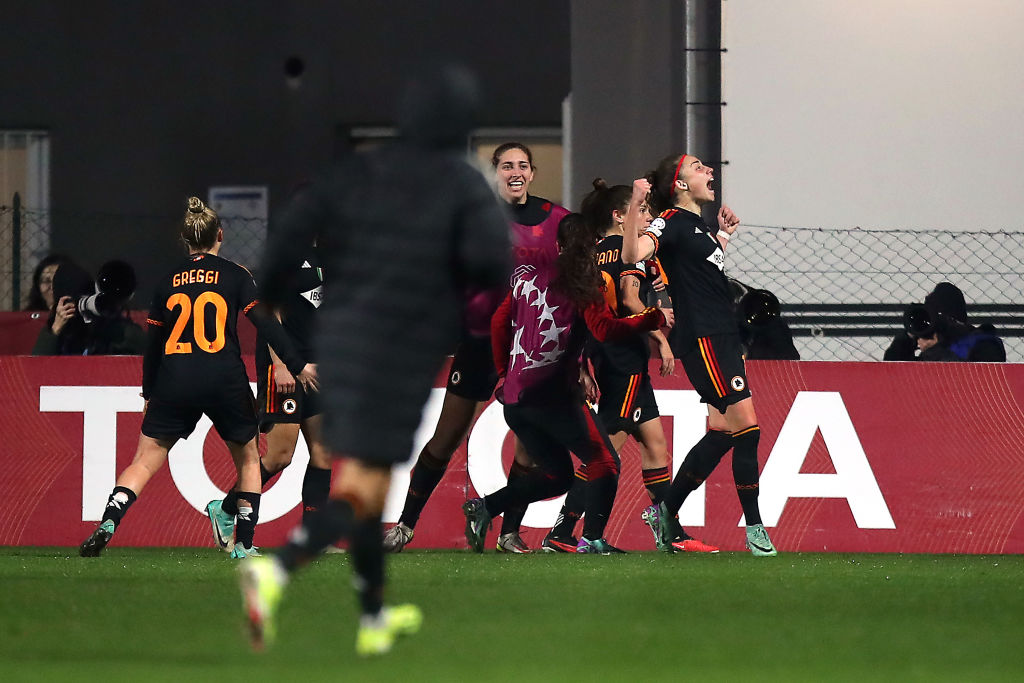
[(598, 205), (578, 276)]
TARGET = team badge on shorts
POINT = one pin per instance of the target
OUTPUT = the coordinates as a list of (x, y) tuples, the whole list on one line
[(456, 377), (636, 415), (289, 406), (737, 383)]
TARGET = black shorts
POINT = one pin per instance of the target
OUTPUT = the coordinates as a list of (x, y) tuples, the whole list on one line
[(715, 368), (627, 401), (283, 408), (473, 375), (234, 418)]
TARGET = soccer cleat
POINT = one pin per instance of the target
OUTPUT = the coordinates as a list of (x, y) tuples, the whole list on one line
[(554, 543), (598, 547), (223, 525), (376, 635), (687, 543), (98, 540), (652, 518), (512, 543), (396, 538), (758, 542), (240, 552), (478, 522), (262, 583)]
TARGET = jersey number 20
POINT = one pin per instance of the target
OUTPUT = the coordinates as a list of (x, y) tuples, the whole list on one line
[(197, 314)]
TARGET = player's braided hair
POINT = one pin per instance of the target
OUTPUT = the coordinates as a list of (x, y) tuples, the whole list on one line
[(597, 206), (578, 277), (200, 227), (662, 180)]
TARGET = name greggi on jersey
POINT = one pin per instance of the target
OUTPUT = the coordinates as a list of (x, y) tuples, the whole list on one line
[(195, 276)]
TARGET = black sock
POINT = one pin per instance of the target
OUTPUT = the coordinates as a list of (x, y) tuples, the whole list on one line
[(367, 554), (316, 487), (118, 502), (230, 503), (247, 518), (513, 517), (425, 477), (325, 526), (600, 495), (744, 471), (698, 465), (657, 481), (574, 505)]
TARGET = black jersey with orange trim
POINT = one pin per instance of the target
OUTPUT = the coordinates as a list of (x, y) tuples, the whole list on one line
[(631, 355), (693, 261), (196, 307), (298, 309)]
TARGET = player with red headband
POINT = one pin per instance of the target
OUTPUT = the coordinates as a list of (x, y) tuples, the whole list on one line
[(706, 337)]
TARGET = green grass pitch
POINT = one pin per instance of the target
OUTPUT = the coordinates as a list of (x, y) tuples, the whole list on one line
[(174, 615)]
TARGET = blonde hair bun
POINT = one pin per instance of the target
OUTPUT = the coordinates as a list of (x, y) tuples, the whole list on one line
[(195, 205)]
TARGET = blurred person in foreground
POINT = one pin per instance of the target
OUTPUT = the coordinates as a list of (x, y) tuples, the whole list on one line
[(938, 330), (403, 231)]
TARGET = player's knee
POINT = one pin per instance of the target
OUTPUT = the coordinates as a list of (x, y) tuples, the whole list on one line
[(745, 442)]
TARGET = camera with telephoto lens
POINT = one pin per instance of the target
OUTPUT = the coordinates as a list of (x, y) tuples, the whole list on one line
[(754, 306), (115, 285), (104, 297), (917, 321)]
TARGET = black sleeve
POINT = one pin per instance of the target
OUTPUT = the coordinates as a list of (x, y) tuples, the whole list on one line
[(152, 356), (47, 343), (901, 348), (988, 351), (275, 335), (482, 240), (293, 231)]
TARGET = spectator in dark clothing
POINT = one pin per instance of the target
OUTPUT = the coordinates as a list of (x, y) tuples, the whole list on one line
[(764, 335), (939, 329), (107, 331), (402, 230)]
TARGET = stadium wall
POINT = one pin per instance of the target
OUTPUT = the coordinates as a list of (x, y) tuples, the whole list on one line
[(856, 457)]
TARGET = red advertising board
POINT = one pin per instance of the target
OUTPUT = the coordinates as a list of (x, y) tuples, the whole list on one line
[(855, 457)]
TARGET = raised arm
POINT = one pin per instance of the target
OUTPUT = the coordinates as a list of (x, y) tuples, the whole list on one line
[(636, 246)]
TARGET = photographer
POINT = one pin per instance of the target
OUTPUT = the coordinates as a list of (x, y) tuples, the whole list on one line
[(938, 328), (90, 318), (763, 333)]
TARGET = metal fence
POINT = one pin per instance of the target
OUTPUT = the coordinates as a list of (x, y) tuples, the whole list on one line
[(842, 291)]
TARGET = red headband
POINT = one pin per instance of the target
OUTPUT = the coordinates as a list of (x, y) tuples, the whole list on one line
[(676, 176)]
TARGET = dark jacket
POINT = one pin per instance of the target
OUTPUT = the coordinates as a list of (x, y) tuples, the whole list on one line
[(403, 231)]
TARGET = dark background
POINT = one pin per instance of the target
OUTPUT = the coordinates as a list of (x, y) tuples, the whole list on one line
[(148, 103)]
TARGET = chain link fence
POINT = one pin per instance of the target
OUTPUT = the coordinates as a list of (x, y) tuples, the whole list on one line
[(843, 292)]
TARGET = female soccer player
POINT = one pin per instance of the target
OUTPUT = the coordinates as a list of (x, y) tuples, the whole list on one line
[(627, 405), (193, 366), (706, 339), (538, 334), (472, 379), (285, 407)]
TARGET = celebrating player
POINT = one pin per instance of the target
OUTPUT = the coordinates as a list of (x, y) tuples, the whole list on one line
[(538, 334), (472, 378), (193, 366), (627, 405), (285, 407), (706, 339)]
